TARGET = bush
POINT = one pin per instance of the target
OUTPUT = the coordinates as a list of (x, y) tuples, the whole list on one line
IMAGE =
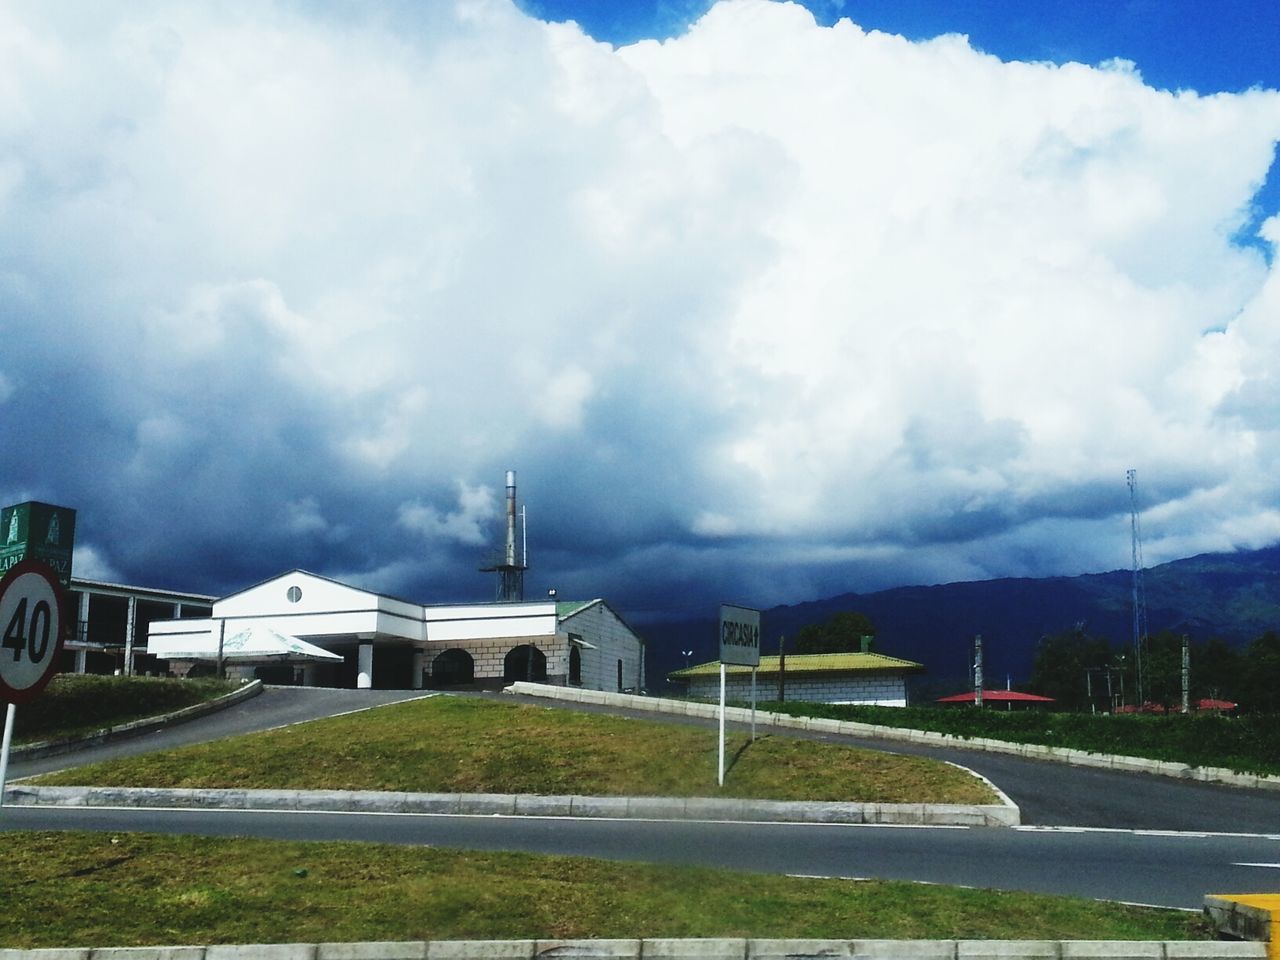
[(80, 703)]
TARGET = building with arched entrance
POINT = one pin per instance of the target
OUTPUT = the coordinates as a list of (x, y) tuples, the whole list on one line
[(389, 643)]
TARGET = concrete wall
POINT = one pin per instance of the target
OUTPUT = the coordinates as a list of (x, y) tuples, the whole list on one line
[(880, 689), (613, 640)]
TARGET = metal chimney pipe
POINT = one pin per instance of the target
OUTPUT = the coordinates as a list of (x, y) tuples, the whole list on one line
[(511, 518)]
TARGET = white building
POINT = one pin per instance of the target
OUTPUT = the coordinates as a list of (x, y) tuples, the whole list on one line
[(862, 678), (390, 643)]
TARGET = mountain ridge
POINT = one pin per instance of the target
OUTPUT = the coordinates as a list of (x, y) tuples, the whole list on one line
[(1232, 596)]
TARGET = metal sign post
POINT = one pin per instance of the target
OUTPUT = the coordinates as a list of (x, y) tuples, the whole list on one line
[(720, 765), (31, 642), (739, 645)]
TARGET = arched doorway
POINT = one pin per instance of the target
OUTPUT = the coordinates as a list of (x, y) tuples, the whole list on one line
[(525, 662), (452, 667), (575, 665)]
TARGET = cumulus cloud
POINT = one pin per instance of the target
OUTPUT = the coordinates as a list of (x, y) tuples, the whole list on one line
[(88, 563), (465, 524), (774, 306)]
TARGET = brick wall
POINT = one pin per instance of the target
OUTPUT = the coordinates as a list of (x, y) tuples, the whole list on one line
[(489, 655), (882, 689)]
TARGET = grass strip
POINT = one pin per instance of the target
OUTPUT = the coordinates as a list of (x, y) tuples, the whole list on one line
[(451, 744), (1246, 744), (77, 704), (95, 890)]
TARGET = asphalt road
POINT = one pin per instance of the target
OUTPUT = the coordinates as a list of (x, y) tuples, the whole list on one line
[(1174, 870), (274, 707), (1055, 794), (1131, 860)]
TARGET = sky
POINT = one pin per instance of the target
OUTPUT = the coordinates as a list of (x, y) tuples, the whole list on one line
[(763, 302)]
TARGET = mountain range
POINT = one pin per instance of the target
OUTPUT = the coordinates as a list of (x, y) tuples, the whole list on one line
[(1232, 596)]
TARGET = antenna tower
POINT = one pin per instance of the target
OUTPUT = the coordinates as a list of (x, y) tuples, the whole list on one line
[(1139, 592)]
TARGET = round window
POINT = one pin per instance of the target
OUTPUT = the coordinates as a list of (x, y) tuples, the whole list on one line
[(294, 594)]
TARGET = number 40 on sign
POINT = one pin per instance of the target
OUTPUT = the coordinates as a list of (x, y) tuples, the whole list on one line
[(31, 645), (31, 618)]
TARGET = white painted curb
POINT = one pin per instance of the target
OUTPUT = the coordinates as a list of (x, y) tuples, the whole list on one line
[(512, 804), (674, 949)]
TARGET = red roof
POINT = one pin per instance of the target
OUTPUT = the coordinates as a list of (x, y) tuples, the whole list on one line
[(997, 696)]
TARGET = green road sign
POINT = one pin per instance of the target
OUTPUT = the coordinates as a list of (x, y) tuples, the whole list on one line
[(38, 531)]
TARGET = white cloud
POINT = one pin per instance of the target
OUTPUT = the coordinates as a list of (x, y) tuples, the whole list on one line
[(815, 289), (463, 525), (88, 563)]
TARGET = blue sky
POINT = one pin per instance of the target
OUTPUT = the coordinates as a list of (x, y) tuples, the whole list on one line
[(783, 306), (1209, 47), (1205, 46)]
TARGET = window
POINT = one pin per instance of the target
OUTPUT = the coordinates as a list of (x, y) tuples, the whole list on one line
[(294, 594)]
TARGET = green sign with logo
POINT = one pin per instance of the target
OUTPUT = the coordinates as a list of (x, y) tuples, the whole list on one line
[(38, 531)]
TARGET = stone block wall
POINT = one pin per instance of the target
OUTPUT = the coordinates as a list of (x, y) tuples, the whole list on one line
[(882, 689), (489, 655)]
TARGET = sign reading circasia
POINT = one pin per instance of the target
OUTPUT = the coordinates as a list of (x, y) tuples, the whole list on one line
[(739, 635)]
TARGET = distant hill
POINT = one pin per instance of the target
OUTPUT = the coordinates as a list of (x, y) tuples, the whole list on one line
[(1233, 596)]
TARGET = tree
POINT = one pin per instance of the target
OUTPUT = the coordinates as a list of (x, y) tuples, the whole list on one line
[(1162, 670), (1260, 679), (1215, 671), (839, 633), (1068, 666)]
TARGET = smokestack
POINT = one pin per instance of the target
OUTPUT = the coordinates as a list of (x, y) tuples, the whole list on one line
[(507, 564), (511, 518)]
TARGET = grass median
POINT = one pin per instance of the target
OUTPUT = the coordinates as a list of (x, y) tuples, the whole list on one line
[(94, 890), (478, 745)]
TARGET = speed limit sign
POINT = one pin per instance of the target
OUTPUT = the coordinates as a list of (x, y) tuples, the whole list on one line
[(30, 630)]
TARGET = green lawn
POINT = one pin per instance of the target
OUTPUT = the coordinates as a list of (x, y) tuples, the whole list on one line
[(476, 745), (92, 890)]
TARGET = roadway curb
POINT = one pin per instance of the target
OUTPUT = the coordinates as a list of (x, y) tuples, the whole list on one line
[(136, 728), (850, 728), (527, 805), (671, 949)]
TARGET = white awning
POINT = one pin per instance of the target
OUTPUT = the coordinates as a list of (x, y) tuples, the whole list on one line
[(252, 642)]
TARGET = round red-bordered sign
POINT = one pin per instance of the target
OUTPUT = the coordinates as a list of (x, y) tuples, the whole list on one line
[(31, 630)]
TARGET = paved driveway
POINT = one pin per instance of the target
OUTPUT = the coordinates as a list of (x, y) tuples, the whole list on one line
[(1055, 794)]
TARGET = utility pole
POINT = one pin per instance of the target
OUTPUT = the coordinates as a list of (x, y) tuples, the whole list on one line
[(1186, 674), (977, 670), (1139, 594)]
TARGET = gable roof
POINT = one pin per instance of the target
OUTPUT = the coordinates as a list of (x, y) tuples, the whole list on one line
[(298, 571), (808, 663), (567, 608)]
